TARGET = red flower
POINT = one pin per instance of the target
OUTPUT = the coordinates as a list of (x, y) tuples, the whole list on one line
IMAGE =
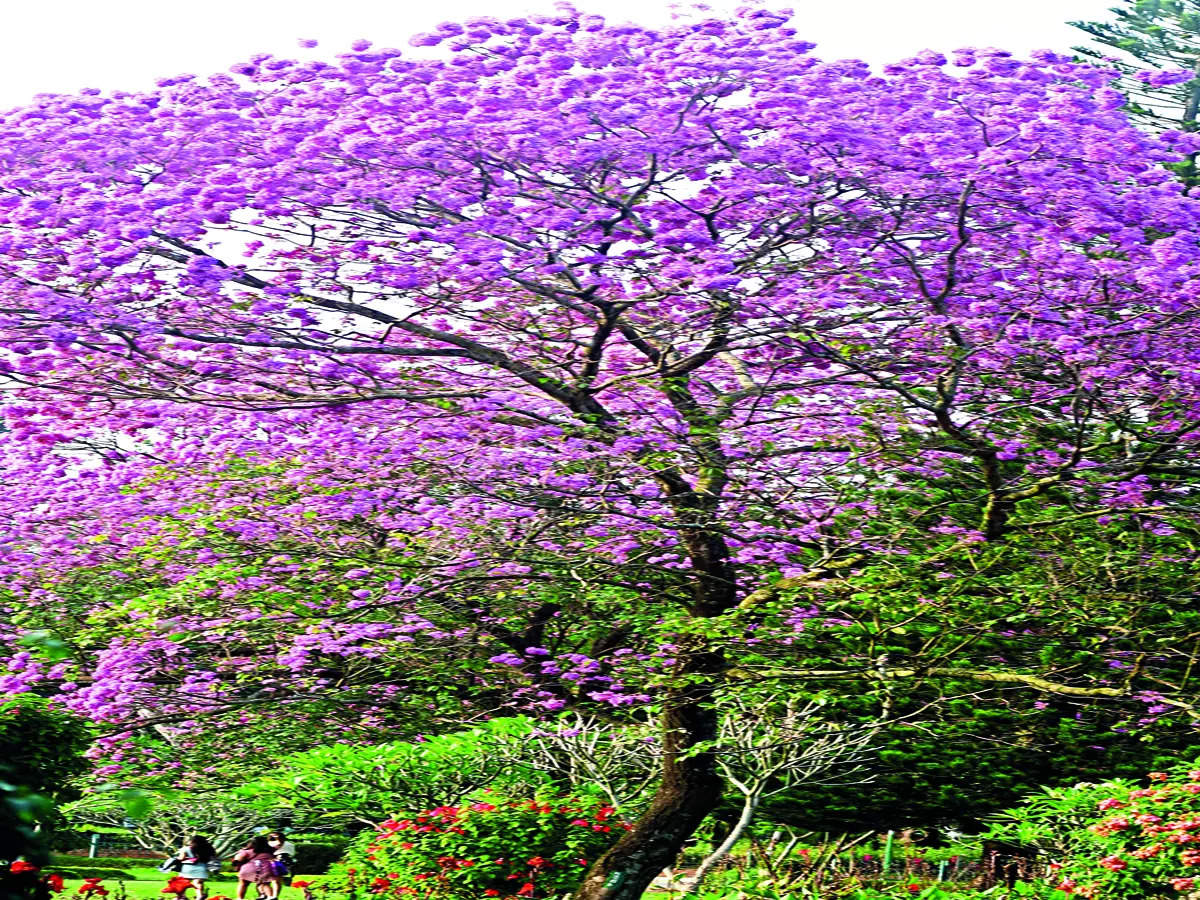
[(491, 892), (299, 884), (526, 890), (22, 866), (54, 881), (537, 862), (914, 888), (177, 885)]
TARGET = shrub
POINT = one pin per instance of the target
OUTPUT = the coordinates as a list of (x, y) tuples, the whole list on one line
[(1119, 839), (491, 846), (57, 860)]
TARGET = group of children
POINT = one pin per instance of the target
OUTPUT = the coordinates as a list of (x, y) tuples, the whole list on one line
[(265, 862)]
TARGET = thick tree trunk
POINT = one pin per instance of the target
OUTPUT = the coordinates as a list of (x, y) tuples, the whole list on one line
[(689, 791), (749, 806)]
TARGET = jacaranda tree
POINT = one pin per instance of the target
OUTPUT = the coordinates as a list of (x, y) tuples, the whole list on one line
[(583, 364)]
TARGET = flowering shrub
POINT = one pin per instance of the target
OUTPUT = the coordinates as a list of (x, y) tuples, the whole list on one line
[(491, 846), (1119, 838), (25, 879)]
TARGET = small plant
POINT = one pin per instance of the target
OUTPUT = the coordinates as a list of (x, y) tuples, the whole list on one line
[(25, 879)]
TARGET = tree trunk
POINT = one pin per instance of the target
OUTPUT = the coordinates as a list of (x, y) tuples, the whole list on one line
[(689, 790), (749, 806)]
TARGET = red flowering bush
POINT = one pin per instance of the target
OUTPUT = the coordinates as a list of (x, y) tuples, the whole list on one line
[(23, 880), (491, 846), (1121, 839)]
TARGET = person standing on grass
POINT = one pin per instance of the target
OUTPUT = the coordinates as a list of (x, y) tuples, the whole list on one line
[(196, 858), (285, 856), (258, 867)]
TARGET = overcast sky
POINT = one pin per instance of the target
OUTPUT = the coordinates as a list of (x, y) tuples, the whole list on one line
[(60, 46)]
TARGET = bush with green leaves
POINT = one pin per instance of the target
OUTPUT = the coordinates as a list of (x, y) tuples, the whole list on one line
[(1118, 839), (490, 846), (42, 748), (368, 783)]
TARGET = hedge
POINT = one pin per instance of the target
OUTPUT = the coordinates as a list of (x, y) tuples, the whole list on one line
[(103, 862)]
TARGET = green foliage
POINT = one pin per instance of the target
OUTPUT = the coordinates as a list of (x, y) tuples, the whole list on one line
[(952, 639), (42, 748), (1158, 34), (368, 783), (491, 846), (965, 762), (1119, 838)]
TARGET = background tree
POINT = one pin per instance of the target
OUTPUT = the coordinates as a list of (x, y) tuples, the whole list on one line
[(163, 821), (782, 743), (978, 756), (1148, 37)]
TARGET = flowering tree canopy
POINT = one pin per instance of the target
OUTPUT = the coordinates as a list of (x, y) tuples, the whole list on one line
[(585, 350)]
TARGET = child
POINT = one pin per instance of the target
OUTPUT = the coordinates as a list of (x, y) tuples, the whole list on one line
[(257, 867), (196, 857), (285, 855)]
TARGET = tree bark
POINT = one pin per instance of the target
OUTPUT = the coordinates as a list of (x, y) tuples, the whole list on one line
[(749, 806), (689, 790)]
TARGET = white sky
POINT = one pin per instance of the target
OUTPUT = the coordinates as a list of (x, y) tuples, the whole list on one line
[(60, 46)]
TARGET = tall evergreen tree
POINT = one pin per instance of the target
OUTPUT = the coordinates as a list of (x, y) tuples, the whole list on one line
[(1151, 36)]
